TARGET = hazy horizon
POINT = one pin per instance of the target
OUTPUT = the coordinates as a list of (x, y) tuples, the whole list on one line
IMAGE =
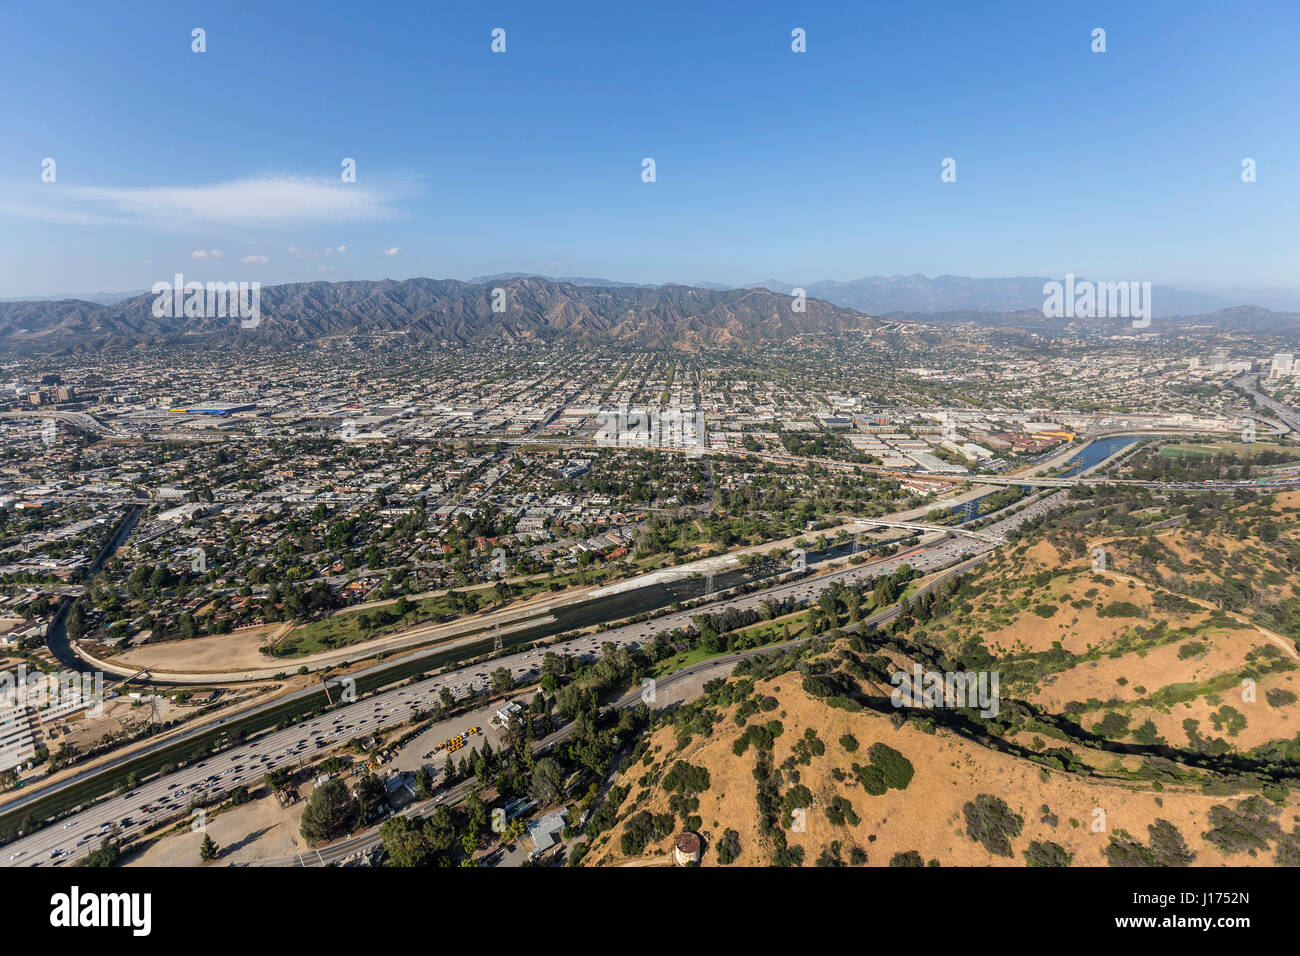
[(798, 166), (1274, 300)]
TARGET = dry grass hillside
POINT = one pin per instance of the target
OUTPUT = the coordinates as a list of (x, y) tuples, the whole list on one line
[(1148, 714)]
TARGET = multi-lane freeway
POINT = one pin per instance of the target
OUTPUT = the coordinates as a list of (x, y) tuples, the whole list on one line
[(171, 794), (362, 842), (937, 549), (1249, 383)]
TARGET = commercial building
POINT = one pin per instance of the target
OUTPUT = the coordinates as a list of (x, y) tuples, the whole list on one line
[(545, 831), (219, 409), (17, 745)]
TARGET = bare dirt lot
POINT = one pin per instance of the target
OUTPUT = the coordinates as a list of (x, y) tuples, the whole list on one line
[(256, 832), (216, 653)]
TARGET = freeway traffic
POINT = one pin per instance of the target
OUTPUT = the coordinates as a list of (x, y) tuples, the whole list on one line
[(350, 846), (170, 795)]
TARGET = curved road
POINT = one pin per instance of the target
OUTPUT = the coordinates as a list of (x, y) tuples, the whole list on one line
[(170, 795)]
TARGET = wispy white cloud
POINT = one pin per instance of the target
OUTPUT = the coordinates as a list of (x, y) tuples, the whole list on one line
[(207, 254), (255, 260), (393, 251), (273, 200), (301, 253)]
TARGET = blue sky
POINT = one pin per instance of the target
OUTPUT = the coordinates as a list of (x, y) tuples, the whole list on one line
[(770, 164)]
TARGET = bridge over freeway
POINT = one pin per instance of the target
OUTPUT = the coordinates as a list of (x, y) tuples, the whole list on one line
[(79, 420), (1038, 481), (946, 529)]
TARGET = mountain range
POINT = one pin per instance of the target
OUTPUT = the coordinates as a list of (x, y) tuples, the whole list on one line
[(915, 294), (918, 294), (444, 312), (448, 312), (103, 298)]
